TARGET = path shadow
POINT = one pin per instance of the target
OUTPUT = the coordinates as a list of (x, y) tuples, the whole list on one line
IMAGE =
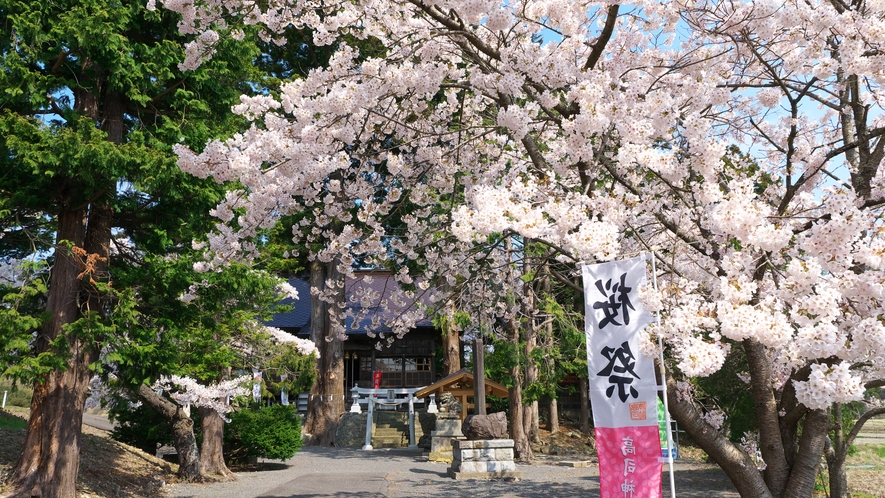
[(260, 467), (430, 472)]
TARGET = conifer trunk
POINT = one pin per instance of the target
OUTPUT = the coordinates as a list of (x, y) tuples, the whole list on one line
[(326, 402), (584, 384), (521, 448), (451, 349), (51, 453), (530, 410), (548, 345), (553, 422)]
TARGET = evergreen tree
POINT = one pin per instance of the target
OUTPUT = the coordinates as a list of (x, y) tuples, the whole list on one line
[(92, 101)]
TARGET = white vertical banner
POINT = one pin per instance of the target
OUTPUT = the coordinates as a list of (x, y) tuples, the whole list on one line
[(256, 385), (623, 390), (284, 394)]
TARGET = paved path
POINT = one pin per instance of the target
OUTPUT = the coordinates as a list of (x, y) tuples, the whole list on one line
[(98, 420), (401, 473)]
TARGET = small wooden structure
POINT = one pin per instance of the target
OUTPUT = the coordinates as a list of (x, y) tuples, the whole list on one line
[(460, 385)]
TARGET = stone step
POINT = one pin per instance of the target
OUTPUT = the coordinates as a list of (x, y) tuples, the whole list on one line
[(404, 428), (393, 426), (389, 442), (392, 435), (391, 430)]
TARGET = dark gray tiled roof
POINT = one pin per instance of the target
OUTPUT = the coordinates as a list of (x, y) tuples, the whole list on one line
[(299, 317), (300, 314)]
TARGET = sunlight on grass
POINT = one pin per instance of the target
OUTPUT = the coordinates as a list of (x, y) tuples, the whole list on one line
[(10, 421), (865, 466), (867, 454)]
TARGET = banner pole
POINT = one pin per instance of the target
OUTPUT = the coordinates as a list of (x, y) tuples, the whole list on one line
[(654, 277)]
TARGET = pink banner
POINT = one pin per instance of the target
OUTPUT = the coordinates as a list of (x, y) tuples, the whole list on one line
[(629, 462)]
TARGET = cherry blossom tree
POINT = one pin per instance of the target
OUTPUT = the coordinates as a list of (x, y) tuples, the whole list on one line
[(181, 394), (740, 141), (208, 329)]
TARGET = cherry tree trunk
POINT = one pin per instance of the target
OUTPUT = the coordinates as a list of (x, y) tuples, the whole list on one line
[(795, 482), (51, 454), (835, 455), (326, 402), (212, 449), (838, 477), (734, 461), (182, 432)]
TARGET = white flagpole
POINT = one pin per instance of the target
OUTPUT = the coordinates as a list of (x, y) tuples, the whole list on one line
[(654, 276)]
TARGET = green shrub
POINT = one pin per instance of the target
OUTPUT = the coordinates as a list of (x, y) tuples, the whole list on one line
[(140, 427), (272, 432)]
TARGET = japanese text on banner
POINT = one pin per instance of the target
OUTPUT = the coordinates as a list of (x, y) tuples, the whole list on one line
[(623, 391)]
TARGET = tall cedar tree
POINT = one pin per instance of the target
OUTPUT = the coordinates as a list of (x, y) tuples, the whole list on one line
[(92, 100)]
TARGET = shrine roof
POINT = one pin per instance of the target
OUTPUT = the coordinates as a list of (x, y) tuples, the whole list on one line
[(462, 377), (367, 289)]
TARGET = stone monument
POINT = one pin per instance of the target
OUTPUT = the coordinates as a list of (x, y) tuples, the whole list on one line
[(484, 454), (448, 427), (487, 459), (492, 426)]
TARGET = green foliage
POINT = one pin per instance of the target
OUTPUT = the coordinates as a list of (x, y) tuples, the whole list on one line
[(562, 354), (70, 69), (140, 427), (200, 338), (20, 314), (502, 357), (300, 371), (724, 390), (571, 352), (497, 404), (272, 432)]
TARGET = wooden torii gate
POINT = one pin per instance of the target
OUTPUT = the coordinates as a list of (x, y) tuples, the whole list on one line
[(460, 385)]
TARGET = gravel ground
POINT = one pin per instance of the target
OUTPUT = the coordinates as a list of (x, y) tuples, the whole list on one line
[(400, 473)]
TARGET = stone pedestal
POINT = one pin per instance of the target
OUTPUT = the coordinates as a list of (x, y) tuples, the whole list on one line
[(483, 459), (448, 427)]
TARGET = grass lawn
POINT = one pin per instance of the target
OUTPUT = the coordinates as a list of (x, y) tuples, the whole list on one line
[(10, 421), (866, 472)]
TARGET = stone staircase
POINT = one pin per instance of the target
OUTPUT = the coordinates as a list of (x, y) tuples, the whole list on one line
[(392, 430)]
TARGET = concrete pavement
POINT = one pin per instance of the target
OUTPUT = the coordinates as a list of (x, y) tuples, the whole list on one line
[(97, 420), (400, 473)]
